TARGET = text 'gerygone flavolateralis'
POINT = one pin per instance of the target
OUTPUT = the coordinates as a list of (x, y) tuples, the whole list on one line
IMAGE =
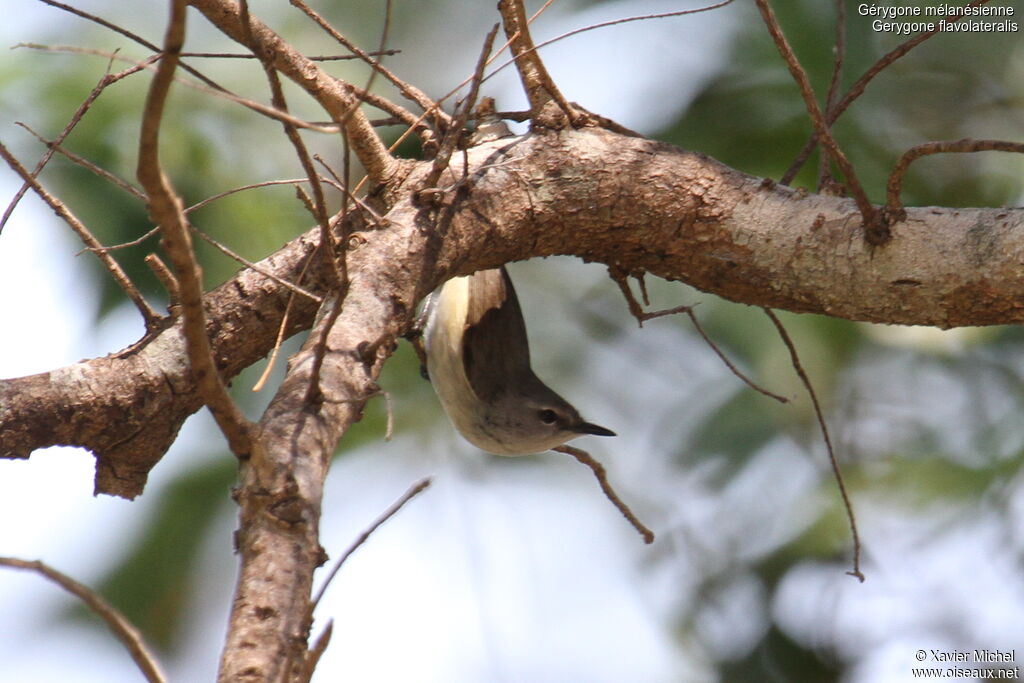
[(478, 359)]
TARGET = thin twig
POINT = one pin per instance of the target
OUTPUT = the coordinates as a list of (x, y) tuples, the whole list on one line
[(227, 193), (113, 179), (105, 81), (313, 178), (602, 479), (318, 206), (265, 375), (122, 245), (257, 107), (410, 92), (626, 20), (592, 27), (255, 267), (390, 512), (314, 653), (966, 145), (839, 57), (833, 460), (876, 231), (454, 134), (133, 37), (166, 209), (642, 316), (857, 89), (339, 184), (166, 278), (149, 316), (123, 629), (319, 58)]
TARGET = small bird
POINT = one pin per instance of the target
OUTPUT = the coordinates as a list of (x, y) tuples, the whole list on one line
[(478, 360)]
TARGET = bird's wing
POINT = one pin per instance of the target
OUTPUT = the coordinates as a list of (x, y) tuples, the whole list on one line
[(495, 350)]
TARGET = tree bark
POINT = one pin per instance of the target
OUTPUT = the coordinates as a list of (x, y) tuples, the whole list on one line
[(632, 203)]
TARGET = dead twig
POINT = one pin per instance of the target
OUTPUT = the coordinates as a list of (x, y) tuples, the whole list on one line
[(838, 59), (857, 89), (454, 134), (642, 316), (166, 210), (313, 655), (149, 316), (602, 479), (407, 90), (876, 230), (966, 145), (217, 91), (123, 629), (833, 460), (54, 145), (318, 58), (364, 536), (166, 278), (537, 82)]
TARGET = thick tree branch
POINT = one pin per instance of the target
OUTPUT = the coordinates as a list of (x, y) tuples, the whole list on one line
[(640, 205)]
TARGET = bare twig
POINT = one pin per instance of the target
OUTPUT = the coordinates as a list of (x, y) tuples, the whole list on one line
[(122, 245), (454, 134), (252, 186), (857, 89), (150, 317), (838, 58), (134, 37), (626, 20), (390, 512), (334, 95), (113, 179), (313, 655), (642, 316), (339, 184), (54, 145), (523, 116), (256, 267), (166, 210), (408, 91), (123, 629), (281, 330), (312, 177), (833, 460), (602, 479), (876, 231), (318, 58), (166, 278), (217, 91), (895, 184), (537, 82)]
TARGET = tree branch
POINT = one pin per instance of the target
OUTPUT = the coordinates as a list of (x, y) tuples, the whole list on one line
[(624, 201), (125, 631), (335, 96), (166, 209)]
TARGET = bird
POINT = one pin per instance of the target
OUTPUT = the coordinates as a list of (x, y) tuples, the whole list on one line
[(478, 361)]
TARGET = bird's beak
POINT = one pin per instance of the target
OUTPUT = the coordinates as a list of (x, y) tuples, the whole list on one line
[(590, 428)]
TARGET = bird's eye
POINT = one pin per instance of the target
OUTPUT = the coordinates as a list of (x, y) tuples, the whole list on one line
[(547, 416)]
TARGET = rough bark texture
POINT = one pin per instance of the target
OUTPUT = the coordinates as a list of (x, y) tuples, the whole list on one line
[(628, 202)]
